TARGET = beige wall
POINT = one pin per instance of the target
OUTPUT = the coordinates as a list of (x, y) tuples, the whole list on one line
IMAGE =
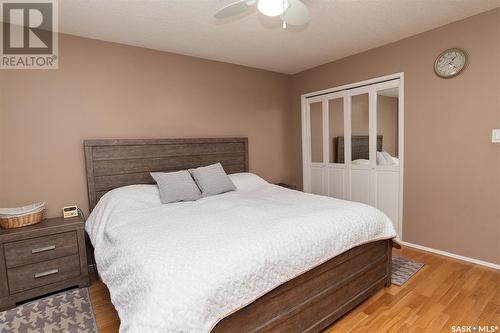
[(106, 90), (452, 170)]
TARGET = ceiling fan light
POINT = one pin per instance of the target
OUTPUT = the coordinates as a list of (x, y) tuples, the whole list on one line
[(272, 7)]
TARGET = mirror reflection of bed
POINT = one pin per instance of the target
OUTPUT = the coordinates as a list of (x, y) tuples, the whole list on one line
[(387, 129), (360, 151), (362, 126)]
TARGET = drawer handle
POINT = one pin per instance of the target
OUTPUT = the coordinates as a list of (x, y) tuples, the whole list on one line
[(49, 272), (43, 249)]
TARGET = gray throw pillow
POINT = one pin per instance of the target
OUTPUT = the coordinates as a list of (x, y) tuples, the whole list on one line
[(176, 186), (212, 180)]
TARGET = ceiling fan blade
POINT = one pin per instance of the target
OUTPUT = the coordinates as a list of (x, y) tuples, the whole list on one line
[(234, 8), (296, 14)]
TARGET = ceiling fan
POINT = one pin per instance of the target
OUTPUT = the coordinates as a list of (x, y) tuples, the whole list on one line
[(293, 12)]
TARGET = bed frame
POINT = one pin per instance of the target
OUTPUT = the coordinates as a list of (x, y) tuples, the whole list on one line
[(308, 303)]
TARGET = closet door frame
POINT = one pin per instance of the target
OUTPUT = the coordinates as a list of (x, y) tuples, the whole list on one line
[(399, 84), (325, 165), (372, 135), (308, 164), (306, 99), (379, 170), (328, 144)]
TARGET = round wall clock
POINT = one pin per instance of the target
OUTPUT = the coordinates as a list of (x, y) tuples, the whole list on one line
[(450, 63)]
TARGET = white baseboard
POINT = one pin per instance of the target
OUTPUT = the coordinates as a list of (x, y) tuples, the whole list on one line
[(451, 255)]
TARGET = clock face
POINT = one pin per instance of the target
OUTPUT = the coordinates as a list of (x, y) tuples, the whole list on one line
[(450, 63)]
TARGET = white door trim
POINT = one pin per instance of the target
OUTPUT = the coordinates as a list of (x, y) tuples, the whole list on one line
[(451, 255), (306, 171), (355, 84)]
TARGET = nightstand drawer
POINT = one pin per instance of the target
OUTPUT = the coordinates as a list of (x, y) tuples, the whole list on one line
[(39, 249), (43, 273)]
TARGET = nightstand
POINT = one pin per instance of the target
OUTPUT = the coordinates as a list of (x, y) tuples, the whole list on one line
[(41, 259)]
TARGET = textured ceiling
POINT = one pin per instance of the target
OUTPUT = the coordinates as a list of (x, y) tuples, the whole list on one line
[(338, 28)]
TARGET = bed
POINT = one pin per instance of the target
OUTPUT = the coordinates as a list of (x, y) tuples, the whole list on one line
[(259, 259)]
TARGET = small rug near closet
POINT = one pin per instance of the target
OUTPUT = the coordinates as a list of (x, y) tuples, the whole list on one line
[(69, 311), (403, 269)]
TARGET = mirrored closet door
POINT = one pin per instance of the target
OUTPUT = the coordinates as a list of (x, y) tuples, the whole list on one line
[(352, 142), (361, 159), (316, 156), (336, 171), (386, 125)]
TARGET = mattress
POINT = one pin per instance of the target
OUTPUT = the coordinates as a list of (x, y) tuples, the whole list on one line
[(182, 267)]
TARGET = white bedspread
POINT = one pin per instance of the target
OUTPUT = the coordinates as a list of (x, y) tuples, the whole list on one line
[(182, 267)]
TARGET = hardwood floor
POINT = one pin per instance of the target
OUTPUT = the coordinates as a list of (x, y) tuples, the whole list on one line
[(444, 293)]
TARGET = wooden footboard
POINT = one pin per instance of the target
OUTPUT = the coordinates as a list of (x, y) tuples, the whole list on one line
[(315, 299)]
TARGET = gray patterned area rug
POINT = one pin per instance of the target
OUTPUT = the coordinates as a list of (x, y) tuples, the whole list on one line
[(403, 269), (68, 312)]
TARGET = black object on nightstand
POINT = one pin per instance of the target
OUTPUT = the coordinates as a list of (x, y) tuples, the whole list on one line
[(292, 187), (41, 259)]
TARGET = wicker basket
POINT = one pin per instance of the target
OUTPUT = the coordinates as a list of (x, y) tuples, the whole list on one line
[(21, 221)]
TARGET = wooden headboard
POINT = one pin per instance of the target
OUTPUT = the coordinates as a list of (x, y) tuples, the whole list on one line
[(114, 163), (360, 147)]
